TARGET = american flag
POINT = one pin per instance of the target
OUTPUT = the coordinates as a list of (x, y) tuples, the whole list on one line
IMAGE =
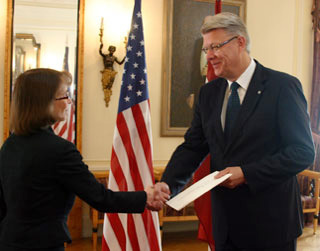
[(66, 129), (131, 158), (203, 205)]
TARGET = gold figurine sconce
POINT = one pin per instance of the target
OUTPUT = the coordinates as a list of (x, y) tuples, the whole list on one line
[(108, 74)]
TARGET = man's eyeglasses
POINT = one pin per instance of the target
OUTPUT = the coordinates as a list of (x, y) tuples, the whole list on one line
[(218, 46), (67, 96)]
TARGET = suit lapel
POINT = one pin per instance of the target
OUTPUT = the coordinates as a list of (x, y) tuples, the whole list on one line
[(249, 103)]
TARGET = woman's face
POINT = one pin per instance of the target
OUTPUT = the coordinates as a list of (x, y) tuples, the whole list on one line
[(61, 103)]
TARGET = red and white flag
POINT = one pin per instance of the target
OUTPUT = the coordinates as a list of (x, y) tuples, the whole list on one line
[(131, 159), (66, 128), (203, 205)]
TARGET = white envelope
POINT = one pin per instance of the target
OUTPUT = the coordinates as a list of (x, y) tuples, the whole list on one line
[(196, 190)]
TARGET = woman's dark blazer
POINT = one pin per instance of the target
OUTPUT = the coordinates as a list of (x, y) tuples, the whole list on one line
[(40, 175)]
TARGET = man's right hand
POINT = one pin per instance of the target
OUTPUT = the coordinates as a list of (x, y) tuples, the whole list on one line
[(157, 195)]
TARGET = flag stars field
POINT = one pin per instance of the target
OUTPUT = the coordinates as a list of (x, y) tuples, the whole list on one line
[(127, 98), (134, 68)]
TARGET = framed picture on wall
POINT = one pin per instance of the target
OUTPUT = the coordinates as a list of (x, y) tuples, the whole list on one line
[(184, 65)]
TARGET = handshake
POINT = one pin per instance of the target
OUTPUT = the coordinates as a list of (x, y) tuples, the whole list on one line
[(157, 195)]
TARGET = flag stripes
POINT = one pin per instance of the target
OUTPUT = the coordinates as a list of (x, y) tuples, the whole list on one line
[(132, 233), (142, 130), (66, 128), (129, 128)]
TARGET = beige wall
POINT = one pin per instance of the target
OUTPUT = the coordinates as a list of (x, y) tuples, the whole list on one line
[(98, 121), (281, 35)]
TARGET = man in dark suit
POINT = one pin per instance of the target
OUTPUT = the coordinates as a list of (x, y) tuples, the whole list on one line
[(254, 123)]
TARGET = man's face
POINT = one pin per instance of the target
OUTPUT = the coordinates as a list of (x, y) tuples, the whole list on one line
[(226, 59)]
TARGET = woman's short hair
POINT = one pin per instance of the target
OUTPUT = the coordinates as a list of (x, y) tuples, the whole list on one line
[(230, 22), (33, 94)]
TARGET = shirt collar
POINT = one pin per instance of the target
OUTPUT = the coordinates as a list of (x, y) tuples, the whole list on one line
[(246, 76)]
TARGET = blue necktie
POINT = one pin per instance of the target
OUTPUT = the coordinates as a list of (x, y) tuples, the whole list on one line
[(233, 108)]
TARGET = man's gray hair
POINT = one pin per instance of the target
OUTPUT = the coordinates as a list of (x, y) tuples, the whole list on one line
[(230, 22)]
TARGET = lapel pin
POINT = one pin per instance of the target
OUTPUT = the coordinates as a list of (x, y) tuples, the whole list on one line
[(259, 92)]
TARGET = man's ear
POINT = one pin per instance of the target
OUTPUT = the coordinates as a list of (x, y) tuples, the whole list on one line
[(242, 42)]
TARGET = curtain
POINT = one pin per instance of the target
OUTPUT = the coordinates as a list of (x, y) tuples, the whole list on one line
[(315, 96)]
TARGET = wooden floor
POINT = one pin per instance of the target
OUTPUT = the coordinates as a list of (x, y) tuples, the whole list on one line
[(187, 241)]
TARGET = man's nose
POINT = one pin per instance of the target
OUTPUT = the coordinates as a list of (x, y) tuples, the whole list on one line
[(211, 54)]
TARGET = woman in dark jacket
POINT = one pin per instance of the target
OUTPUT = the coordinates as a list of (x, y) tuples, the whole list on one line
[(40, 173)]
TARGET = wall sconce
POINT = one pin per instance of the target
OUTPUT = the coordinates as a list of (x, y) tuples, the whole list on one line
[(108, 74)]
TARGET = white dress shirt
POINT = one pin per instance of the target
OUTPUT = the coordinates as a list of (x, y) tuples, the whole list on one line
[(243, 82)]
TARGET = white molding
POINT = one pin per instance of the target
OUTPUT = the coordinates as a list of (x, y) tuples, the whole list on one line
[(59, 4), (95, 164), (102, 165)]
